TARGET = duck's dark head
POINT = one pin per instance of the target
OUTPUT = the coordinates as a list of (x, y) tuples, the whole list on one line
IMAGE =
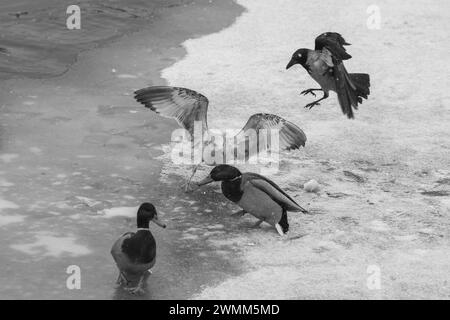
[(146, 213), (299, 57), (222, 172)]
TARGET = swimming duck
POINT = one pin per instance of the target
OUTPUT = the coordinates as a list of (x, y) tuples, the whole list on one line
[(256, 195), (188, 107), (135, 252)]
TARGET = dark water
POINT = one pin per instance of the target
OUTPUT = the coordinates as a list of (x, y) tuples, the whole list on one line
[(39, 43), (75, 145)]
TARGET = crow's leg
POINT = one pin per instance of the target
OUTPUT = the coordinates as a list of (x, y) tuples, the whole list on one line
[(310, 91), (316, 103)]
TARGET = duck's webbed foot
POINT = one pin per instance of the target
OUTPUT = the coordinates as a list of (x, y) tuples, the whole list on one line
[(139, 289), (136, 290), (121, 281)]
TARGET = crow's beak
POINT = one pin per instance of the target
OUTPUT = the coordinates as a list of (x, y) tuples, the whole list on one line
[(158, 222), (207, 180), (291, 63)]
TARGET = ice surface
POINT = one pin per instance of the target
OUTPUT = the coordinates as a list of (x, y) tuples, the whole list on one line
[(128, 212), (53, 246)]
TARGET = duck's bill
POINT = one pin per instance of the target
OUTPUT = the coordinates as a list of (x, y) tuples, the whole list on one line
[(207, 180), (158, 222), (291, 63)]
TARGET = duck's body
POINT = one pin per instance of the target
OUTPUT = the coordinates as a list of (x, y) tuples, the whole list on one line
[(135, 252), (257, 195)]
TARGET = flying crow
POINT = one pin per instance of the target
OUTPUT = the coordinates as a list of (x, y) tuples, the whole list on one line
[(325, 65)]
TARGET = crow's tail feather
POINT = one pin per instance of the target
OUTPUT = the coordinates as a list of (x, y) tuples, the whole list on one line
[(351, 89)]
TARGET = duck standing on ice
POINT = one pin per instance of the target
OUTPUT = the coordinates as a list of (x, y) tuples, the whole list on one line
[(135, 252), (256, 195)]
